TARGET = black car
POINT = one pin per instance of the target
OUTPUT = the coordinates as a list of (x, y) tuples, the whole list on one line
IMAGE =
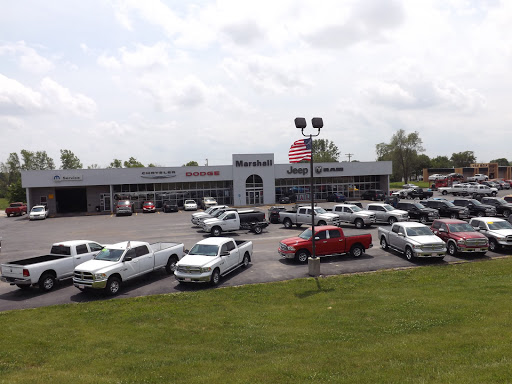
[(273, 214), (418, 211), (373, 194), (501, 205), (288, 199), (336, 197), (419, 193), (447, 209), (168, 206), (475, 207)]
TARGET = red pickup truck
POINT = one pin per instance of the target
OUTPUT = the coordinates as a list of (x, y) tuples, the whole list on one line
[(329, 241), (16, 209)]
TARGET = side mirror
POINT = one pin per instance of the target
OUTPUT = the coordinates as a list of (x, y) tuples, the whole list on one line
[(225, 253), (317, 238), (401, 234), (442, 230), (186, 251), (128, 258)]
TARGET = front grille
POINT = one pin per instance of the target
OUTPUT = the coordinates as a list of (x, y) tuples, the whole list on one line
[(476, 242), (432, 247), (509, 239), (84, 276), (188, 269)]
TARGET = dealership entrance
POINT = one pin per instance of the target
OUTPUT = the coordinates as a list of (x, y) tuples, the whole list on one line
[(71, 200)]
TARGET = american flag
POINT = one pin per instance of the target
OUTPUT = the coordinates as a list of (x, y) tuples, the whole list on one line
[(300, 150)]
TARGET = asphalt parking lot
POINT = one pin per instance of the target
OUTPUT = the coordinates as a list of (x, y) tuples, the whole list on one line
[(23, 238)]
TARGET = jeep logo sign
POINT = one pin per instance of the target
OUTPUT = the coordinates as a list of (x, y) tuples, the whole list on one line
[(300, 171)]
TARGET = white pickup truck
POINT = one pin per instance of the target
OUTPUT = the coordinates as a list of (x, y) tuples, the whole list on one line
[(124, 261), (230, 221), (45, 270), (211, 258)]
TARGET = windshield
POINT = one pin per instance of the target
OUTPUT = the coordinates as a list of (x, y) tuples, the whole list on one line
[(419, 206), (190, 202), (204, 250), (501, 201), (306, 235), (419, 231), (450, 204), (37, 209), (209, 199), (107, 254), (209, 210), (461, 227), (218, 213), (475, 202), (123, 203), (355, 208), (320, 210), (499, 225), (388, 207)]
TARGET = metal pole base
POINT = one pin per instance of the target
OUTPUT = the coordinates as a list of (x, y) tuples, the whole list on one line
[(314, 266)]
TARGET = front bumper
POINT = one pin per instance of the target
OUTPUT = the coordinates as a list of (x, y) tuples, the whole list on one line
[(193, 277), (286, 254), (94, 284)]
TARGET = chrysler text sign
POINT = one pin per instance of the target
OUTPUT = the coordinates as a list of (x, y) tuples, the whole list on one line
[(158, 174)]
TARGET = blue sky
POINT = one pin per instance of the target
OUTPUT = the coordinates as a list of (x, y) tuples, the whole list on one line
[(169, 82)]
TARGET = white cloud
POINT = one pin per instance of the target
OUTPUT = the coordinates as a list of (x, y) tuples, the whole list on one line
[(28, 58), (60, 96), (17, 99)]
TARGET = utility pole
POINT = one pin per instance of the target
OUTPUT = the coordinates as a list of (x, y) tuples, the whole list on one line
[(206, 162), (349, 156)]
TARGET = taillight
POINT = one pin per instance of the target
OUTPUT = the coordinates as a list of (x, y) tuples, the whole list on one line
[(26, 273)]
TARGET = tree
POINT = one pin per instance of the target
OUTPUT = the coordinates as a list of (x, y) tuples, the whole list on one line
[(36, 161), (116, 163), (191, 164), (463, 159), (325, 151), (500, 161), (69, 160), (420, 162), (93, 166), (402, 150), (440, 162), (15, 192), (133, 163)]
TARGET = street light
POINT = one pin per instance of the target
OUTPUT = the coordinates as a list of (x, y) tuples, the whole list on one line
[(300, 123)]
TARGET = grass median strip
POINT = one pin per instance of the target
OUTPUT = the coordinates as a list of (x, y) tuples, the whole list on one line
[(424, 325)]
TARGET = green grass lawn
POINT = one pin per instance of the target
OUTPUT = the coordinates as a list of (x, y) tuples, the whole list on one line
[(437, 324), (399, 184), (4, 203)]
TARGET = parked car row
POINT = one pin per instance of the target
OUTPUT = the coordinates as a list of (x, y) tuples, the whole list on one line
[(126, 207)]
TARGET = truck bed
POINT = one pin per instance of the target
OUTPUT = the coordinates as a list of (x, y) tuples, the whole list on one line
[(155, 247), (35, 260)]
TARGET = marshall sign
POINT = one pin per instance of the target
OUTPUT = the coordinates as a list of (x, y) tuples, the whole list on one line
[(257, 163)]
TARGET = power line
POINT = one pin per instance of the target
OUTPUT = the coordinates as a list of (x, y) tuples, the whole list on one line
[(349, 156)]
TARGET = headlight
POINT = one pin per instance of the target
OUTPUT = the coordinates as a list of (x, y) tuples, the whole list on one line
[(100, 276), (290, 248), (206, 269), (461, 241)]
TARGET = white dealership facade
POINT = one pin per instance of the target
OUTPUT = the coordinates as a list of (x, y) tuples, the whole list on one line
[(251, 179)]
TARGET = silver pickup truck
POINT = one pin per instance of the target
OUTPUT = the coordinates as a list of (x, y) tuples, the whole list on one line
[(352, 214), (303, 216), (413, 239)]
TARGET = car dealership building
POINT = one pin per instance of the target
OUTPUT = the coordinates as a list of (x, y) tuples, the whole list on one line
[(251, 179)]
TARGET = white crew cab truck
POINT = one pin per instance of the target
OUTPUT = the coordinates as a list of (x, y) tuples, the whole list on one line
[(211, 258), (230, 221), (352, 214), (121, 262), (45, 270)]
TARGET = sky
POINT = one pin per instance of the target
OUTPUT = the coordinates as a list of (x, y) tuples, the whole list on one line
[(168, 82)]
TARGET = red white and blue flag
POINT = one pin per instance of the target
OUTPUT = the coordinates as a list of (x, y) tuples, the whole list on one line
[(300, 150)]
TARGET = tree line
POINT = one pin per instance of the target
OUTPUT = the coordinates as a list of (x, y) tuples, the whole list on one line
[(404, 150)]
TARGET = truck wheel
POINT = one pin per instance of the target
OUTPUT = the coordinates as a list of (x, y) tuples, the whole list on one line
[(493, 245), (215, 279), (357, 250), (216, 231), (287, 223), (113, 285), (298, 225), (359, 224), (171, 264), (321, 222), (257, 229), (493, 193), (392, 220), (383, 243), (408, 253), (444, 192), (46, 282), (506, 213), (8, 215), (452, 248), (480, 213), (454, 216), (245, 261), (423, 219), (302, 256)]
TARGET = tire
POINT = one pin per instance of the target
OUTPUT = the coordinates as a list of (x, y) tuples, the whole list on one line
[(215, 279), (454, 215), (46, 282), (113, 285), (451, 248), (480, 214), (359, 223), (8, 215), (257, 229), (493, 245), (423, 219), (287, 223), (302, 256), (216, 231), (170, 267), (245, 261), (321, 222), (383, 243), (23, 286), (506, 213), (357, 250), (392, 220), (444, 193), (494, 194), (298, 225), (409, 255)]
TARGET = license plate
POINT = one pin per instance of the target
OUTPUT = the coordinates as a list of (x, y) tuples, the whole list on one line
[(434, 254), (81, 286), (477, 249), (188, 279)]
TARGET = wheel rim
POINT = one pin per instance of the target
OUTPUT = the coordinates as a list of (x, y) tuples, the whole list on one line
[(48, 283), (383, 243), (359, 224), (392, 220), (216, 277), (114, 286), (423, 220), (357, 252), (408, 254), (506, 213), (480, 214), (216, 232), (451, 249), (492, 245), (288, 224), (246, 261), (303, 257), (453, 216)]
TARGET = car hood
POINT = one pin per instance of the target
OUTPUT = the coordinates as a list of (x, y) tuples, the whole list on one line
[(211, 220), (197, 261), (501, 232), (467, 235), (95, 266), (294, 241), (427, 239)]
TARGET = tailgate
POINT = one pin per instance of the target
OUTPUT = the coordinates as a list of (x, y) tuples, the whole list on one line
[(9, 270)]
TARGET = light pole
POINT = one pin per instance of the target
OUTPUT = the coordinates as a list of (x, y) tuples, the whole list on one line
[(300, 123)]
